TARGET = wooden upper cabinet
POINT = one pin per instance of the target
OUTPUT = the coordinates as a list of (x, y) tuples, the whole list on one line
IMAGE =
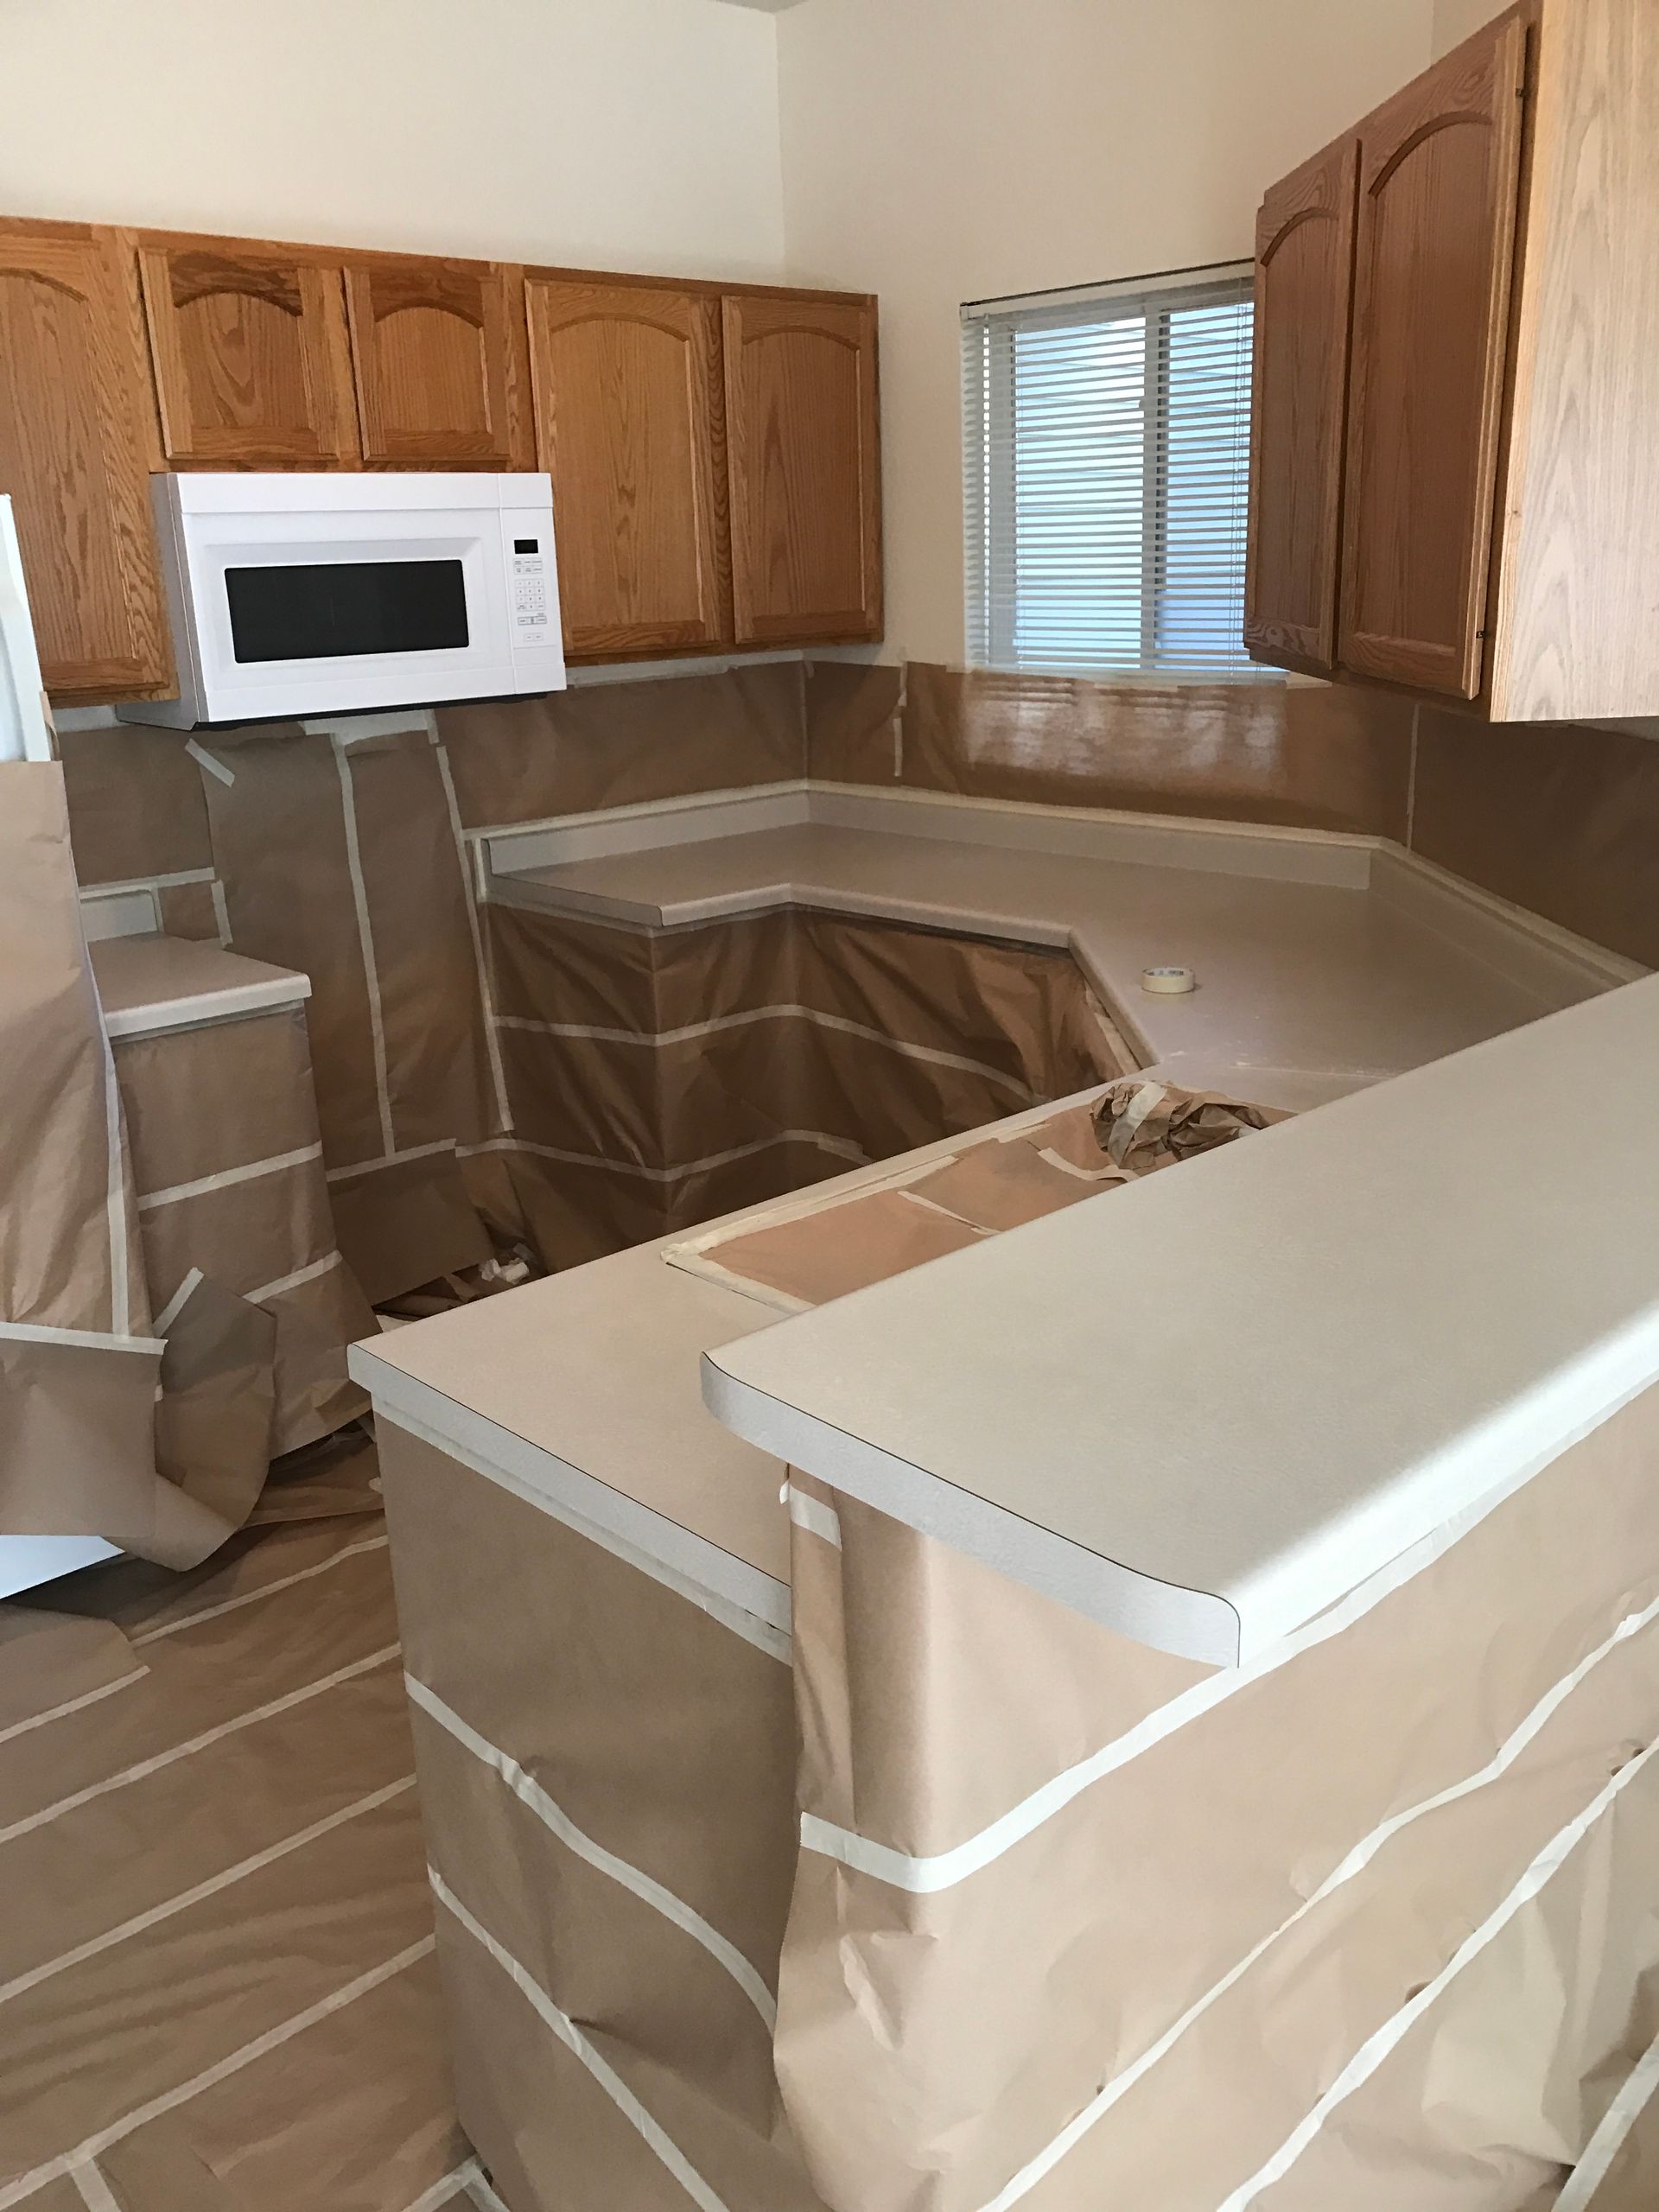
[(434, 355), (801, 425), (251, 358), (1303, 296), (1440, 181), (73, 455), (628, 413)]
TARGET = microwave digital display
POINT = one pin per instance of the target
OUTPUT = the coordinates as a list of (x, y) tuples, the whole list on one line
[(338, 610)]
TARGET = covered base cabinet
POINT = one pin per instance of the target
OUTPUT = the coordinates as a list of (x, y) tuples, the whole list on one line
[(945, 1899), (1455, 453)]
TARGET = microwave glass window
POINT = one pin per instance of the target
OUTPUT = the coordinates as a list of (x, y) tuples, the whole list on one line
[(338, 610)]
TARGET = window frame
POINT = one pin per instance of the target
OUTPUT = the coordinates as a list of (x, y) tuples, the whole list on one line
[(989, 328)]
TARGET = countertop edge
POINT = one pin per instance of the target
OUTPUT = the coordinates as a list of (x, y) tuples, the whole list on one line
[(1186, 1623), (584, 1501)]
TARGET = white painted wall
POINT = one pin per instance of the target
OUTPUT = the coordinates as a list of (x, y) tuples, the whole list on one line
[(942, 150), (630, 133)]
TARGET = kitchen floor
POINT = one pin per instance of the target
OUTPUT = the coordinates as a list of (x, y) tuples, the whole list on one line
[(217, 1985)]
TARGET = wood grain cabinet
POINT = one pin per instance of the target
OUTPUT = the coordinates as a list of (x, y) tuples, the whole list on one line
[(251, 354), (714, 450), (1304, 299), (802, 427), (1492, 354), (74, 456), (434, 358), (1440, 177), (715, 463), (630, 421)]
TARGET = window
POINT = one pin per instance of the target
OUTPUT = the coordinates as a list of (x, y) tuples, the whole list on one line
[(1106, 442)]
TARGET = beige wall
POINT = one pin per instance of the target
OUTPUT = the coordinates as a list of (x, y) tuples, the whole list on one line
[(1456, 20), (619, 133), (942, 150)]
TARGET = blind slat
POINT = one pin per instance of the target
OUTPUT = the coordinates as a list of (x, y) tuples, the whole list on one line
[(1106, 448)]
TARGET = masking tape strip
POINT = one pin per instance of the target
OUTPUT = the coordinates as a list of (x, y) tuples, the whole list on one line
[(1355, 1863), (491, 1042), (301, 1275), (91, 2186), (174, 1752), (837, 1148), (227, 1178), (813, 1514), (1372, 2052), (925, 1873), (553, 1817), (366, 940), (181, 1298), (574, 2042), (156, 1914), (39, 1332), (785, 1011), (209, 762), (185, 1622), (392, 1159), (1611, 2137), (26, 2185)]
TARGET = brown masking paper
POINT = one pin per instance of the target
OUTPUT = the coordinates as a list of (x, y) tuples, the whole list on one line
[(810, 1253), (1325, 1833), (79, 1368), (341, 858), (611, 1864), (1319, 757), (600, 744), (216, 1970), (659, 1077), (226, 1146)]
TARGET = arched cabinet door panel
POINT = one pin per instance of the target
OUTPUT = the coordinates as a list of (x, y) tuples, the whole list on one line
[(629, 424), (252, 362), (802, 427), (433, 354), (73, 457), (1304, 298), (1440, 181)]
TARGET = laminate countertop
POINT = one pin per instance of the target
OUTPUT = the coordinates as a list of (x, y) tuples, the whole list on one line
[(1282, 1380), (1311, 978)]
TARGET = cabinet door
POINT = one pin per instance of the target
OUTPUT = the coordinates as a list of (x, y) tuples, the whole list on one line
[(1440, 177), (72, 456), (628, 419), (801, 414), (1304, 294), (252, 363), (433, 356)]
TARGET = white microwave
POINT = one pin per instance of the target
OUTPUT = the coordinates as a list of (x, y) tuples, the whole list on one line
[(303, 594)]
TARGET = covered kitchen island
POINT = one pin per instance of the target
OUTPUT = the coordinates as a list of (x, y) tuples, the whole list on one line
[(1141, 1681)]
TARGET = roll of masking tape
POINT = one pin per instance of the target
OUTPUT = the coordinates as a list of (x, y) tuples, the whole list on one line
[(1168, 982)]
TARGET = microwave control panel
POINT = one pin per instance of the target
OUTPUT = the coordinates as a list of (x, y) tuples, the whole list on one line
[(530, 613)]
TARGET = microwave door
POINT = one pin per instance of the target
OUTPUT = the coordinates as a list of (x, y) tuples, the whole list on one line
[(288, 626), (25, 732), (346, 610)]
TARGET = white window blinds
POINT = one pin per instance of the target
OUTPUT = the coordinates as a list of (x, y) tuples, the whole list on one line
[(1106, 446)]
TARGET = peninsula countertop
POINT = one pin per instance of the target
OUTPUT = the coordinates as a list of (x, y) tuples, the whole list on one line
[(1318, 976), (1206, 1408)]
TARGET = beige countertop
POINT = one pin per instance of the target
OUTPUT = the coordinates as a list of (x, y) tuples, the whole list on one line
[(150, 983), (1203, 1408), (1315, 979), (1323, 978)]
